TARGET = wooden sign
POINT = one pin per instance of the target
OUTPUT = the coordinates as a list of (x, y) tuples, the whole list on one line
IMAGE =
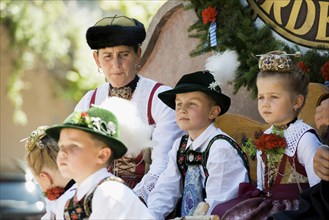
[(304, 22)]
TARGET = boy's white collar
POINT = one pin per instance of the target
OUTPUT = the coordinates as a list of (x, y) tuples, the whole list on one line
[(91, 181), (202, 138)]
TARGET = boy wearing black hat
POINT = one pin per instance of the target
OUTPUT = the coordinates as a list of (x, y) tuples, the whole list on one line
[(205, 165), (116, 43), (88, 142)]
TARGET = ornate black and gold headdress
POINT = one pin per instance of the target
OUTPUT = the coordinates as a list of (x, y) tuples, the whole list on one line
[(34, 139), (276, 61)]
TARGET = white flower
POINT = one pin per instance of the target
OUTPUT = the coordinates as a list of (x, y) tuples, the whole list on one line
[(213, 85), (111, 127), (96, 123)]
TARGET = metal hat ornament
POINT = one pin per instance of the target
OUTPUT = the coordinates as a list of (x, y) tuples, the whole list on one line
[(96, 121), (34, 140), (276, 61)]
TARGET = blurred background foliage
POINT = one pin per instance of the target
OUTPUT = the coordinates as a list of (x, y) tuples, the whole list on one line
[(51, 35)]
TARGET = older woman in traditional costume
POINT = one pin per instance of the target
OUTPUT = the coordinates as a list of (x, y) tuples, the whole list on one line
[(116, 43)]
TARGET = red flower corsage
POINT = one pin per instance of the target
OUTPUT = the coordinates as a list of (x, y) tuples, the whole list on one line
[(271, 143), (54, 193)]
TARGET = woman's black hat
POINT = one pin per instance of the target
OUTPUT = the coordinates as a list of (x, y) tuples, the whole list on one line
[(115, 31)]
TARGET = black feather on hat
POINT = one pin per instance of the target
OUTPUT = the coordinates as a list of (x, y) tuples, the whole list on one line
[(115, 31)]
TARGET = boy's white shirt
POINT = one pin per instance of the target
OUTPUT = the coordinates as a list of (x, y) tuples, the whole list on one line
[(50, 209), (223, 160), (112, 200)]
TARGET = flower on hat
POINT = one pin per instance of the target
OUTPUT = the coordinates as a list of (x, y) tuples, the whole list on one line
[(82, 119), (111, 128), (96, 123), (325, 71), (214, 85), (101, 126), (209, 15)]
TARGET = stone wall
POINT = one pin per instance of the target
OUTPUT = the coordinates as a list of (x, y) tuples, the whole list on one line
[(166, 54)]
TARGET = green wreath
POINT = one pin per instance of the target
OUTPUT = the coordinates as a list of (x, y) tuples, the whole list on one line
[(236, 30)]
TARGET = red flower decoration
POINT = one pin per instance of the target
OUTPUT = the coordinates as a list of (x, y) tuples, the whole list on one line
[(271, 143), (54, 193), (83, 114), (272, 147), (301, 65), (199, 157), (325, 71), (209, 15), (74, 216)]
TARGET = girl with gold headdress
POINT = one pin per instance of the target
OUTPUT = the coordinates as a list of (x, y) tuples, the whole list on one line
[(284, 151), (282, 90)]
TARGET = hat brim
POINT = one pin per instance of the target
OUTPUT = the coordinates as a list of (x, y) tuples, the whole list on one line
[(168, 97), (118, 148)]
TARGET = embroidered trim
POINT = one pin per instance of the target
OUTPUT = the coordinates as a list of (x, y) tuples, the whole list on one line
[(201, 158), (82, 209), (292, 135)]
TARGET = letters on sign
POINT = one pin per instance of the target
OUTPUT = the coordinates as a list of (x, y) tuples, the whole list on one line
[(304, 22)]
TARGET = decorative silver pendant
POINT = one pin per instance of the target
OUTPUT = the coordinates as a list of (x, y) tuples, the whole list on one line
[(191, 157)]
